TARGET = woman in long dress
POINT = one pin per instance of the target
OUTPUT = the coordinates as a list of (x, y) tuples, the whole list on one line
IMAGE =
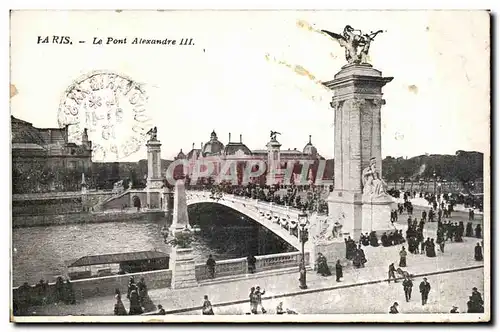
[(402, 257), (338, 270), (478, 253), (119, 307), (323, 268), (207, 306)]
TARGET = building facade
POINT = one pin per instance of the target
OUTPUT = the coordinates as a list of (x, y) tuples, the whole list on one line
[(217, 154), (43, 159)]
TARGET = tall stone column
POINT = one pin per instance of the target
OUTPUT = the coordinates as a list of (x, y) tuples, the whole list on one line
[(180, 215), (357, 99), (182, 259), (154, 180)]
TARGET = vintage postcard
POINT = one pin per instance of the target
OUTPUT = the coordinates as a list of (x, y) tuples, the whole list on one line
[(250, 166)]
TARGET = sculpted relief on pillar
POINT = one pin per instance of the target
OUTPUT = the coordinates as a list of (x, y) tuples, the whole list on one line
[(373, 185)]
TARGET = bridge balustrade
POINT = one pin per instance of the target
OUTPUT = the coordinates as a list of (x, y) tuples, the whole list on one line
[(239, 266)]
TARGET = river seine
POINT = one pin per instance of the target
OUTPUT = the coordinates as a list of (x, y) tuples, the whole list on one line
[(44, 252)]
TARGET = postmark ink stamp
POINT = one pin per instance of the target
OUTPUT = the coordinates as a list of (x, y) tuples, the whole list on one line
[(113, 109)]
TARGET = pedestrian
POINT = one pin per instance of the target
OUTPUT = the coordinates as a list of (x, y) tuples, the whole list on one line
[(394, 308), (478, 231), (425, 288), (161, 311), (391, 273), (119, 309), (211, 266), (207, 306), (135, 305), (338, 270), (251, 260), (454, 310), (476, 296), (279, 309), (407, 286), (478, 252), (258, 299), (322, 264), (253, 303), (131, 287), (402, 257), (142, 291)]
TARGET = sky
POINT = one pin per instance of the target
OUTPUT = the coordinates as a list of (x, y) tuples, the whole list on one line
[(250, 72)]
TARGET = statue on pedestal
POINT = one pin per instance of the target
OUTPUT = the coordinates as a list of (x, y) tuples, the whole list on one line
[(152, 134), (373, 185), (351, 40), (273, 135)]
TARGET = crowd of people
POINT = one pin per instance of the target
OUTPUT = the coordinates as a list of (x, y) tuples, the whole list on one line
[(42, 293), (307, 198), (139, 300), (355, 253)]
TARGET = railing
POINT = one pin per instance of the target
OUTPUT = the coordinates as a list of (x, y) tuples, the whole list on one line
[(239, 266), (286, 218)]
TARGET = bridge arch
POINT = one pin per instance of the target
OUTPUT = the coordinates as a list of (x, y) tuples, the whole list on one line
[(279, 220)]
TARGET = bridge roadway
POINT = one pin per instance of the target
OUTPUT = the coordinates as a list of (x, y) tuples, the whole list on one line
[(278, 219)]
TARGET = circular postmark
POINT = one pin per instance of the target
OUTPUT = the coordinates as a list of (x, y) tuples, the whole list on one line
[(112, 108)]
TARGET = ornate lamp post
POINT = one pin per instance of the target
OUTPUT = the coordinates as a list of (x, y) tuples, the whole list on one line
[(304, 236)]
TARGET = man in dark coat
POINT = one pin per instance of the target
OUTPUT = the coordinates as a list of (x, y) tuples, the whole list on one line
[(407, 286), (469, 232), (211, 266), (478, 252), (425, 288), (338, 270), (251, 260), (391, 273), (478, 231), (476, 296)]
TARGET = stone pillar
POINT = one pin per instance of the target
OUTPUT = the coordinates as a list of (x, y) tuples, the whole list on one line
[(180, 216), (154, 180), (183, 268), (357, 99)]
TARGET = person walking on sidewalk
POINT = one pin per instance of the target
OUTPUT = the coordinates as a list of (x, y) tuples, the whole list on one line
[(402, 257), (253, 301), (258, 298), (391, 273), (407, 286), (338, 270), (425, 288), (211, 266), (207, 306)]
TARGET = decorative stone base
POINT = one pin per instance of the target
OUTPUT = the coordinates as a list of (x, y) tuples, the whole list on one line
[(331, 250), (183, 268), (345, 207), (359, 214), (377, 215)]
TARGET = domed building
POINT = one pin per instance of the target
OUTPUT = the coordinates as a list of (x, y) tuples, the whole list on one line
[(310, 149), (181, 155), (215, 152), (213, 147)]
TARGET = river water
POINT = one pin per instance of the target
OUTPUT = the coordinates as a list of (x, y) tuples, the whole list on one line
[(44, 252)]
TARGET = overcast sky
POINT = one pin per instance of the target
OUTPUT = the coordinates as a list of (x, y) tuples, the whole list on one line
[(252, 72)]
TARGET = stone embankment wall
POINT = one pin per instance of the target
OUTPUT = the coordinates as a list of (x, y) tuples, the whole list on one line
[(84, 217)]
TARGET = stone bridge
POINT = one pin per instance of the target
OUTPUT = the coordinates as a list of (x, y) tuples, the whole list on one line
[(281, 220)]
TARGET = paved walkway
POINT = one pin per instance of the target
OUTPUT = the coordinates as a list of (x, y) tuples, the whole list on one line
[(456, 256)]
